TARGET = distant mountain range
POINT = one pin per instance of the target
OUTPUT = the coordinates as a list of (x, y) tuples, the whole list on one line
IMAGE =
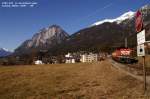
[(4, 52), (105, 35)]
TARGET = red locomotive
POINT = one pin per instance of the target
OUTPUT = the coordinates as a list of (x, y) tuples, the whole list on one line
[(124, 55)]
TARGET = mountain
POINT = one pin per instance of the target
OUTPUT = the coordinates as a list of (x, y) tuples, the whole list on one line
[(118, 20), (146, 14), (4, 52), (108, 34), (45, 39), (105, 35), (128, 16)]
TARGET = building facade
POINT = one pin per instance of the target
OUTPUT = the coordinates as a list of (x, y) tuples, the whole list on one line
[(69, 58), (89, 58)]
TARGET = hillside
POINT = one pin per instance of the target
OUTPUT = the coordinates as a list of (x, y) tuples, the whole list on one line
[(102, 37), (68, 81), (108, 34)]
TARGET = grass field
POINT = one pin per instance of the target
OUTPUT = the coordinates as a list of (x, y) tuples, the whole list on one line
[(67, 81), (147, 60)]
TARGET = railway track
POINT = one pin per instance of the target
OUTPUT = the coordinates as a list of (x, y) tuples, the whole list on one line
[(132, 70)]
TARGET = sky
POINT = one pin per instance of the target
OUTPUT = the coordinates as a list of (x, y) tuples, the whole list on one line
[(18, 24)]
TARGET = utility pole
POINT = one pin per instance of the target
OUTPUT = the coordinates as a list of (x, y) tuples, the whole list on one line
[(126, 42), (144, 74), (139, 25)]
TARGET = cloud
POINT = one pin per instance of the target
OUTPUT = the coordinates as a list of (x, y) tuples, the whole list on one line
[(93, 13), (84, 18), (108, 5), (99, 10)]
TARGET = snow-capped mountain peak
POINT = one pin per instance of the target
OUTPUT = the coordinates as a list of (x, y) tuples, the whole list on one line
[(4, 49), (4, 52), (127, 15)]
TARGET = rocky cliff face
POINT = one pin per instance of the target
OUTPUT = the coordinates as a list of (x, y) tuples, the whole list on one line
[(146, 14), (46, 38)]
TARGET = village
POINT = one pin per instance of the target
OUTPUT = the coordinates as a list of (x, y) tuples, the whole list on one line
[(76, 58)]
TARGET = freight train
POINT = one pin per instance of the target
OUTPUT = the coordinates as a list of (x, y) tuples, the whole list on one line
[(124, 55)]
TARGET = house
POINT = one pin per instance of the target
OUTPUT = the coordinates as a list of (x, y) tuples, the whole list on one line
[(89, 57), (38, 62), (69, 58)]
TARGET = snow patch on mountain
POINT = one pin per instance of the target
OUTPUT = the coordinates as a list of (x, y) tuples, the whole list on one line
[(127, 15), (4, 49)]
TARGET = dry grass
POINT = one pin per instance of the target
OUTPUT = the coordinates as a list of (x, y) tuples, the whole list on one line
[(67, 81), (147, 60)]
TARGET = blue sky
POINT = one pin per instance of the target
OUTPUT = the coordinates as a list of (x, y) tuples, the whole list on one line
[(20, 24)]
